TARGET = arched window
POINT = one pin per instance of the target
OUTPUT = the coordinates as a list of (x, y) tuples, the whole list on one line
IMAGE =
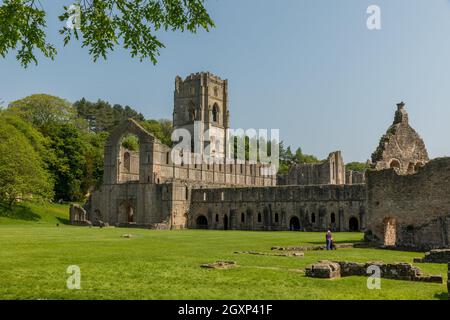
[(217, 218), (259, 217), (242, 217), (333, 217), (215, 113), (395, 164), (313, 217), (276, 217)]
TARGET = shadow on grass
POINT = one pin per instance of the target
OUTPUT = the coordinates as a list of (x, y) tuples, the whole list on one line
[(63, 220), (441, 296), (18, 212)]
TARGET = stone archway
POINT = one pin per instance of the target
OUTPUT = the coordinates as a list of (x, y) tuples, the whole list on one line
[(202, 222), (126, 212), (294, 224), (353, 224), (225, 222)]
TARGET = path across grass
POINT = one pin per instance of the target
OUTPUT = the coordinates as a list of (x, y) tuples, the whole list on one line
[(35, 254)]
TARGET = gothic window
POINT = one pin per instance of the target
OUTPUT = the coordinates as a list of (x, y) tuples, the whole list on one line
[(333, 217), (276, 217), (242, 217), (259, 217), (215, 113), (313, 217)]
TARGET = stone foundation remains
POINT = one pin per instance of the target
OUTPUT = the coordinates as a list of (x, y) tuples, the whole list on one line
[(396, 271), (435, 256)]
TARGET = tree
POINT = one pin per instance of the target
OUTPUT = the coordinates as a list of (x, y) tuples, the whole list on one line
[(100, 24), (22, 173), (357, 166), (161, 129), (69, 166), (43, 110), (101, 116)]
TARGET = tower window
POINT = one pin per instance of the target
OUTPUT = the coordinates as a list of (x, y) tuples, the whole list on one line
[(215, 113)]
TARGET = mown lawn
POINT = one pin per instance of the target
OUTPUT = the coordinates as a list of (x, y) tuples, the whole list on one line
[(35, 253)]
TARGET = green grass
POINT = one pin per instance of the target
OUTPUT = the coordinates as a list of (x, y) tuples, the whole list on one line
[(35, 253)]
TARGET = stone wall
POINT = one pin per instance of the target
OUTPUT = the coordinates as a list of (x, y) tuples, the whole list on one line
[(312, 208), (410, 210), (330, 171)]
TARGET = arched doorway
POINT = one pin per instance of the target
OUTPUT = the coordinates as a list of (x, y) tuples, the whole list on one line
[(294, 224), (126, 212), (353, 224), (202, 222), (225, 222)]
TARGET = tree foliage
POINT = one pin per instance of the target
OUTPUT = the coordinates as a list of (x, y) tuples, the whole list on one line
[(287, 158), (22, 171), (357, 166), (161, 129), (101, 116), (43, 110), (101, 25)]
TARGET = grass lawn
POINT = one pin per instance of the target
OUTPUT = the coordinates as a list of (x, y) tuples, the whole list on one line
[(35, 253)]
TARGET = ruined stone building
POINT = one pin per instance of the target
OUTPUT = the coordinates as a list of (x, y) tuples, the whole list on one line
[(329, 171), (403, 200), (401, 148)]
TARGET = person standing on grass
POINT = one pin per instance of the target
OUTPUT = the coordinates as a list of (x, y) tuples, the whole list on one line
[(329, 239)]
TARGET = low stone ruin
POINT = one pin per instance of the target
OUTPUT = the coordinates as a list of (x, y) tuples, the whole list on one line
[(435, 256), (290, 254), (220, 265), (324, 270), (313, 248), (396, 271), (78, 215)]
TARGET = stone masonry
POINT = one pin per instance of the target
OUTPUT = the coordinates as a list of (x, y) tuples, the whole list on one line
[(402, 201)]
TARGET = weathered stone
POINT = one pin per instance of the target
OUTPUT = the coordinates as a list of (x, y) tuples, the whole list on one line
[(396, 271), (291, 254), (435, 256), (220, 265), (78, 215), (324, 269), (406, 205), (312, 248)]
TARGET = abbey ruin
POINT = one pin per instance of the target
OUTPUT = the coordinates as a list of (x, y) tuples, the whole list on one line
[(402, 200)]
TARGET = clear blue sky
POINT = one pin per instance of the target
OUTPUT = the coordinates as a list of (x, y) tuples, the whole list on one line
[(308, 67)]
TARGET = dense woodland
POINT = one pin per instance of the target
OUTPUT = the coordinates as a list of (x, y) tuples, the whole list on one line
[(52, 150)]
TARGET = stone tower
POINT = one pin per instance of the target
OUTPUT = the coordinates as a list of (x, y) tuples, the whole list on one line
[(201, 107), (401, 148)]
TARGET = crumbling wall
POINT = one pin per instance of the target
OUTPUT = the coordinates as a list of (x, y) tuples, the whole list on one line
[(413, 209)]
